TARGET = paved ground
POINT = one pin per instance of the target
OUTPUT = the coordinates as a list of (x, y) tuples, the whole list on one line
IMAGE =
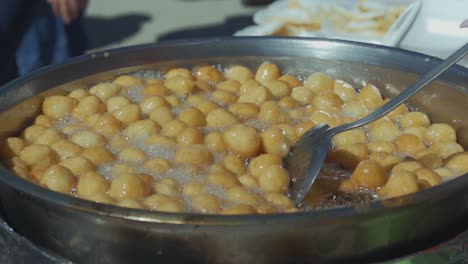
[(111, 24)]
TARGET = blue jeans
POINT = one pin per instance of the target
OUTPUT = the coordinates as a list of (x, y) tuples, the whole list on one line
[(47, 40)]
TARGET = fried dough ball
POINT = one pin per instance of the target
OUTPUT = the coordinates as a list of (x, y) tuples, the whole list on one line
[(242, 140)]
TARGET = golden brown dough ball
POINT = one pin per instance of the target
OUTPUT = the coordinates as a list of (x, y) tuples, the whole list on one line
[(209, 74), (292, 80), (288, 103), (397, 113), (91, 183), (370, 97), (66, 149), (274, 178), (193, 188), (303, 95), (59, 179), (349, 137), (206, 203), (88, 106), (107, 125), (119, 168), (248, 180), (173, 100), (354, 109), (234, 164), (458, 163), (57, 106), (239, 73), (223, 98), (32, 132), (88, 139), (114, 103), (48, 137), (326, 100), (280, 200), (180, 86), (39, 155), (344, 90), (267, 72), (23, 173), (349, 156), (207, 106), (164, 203), (167, 186), (141, 130), (222, 179), (278, 88), (203, 85), (385, 159), (318, 82), (414, 119), (384, 131), (156, 89), (190, 136), (275, 142), (429, 159), (161, 115), (446, 149), (182, 72), (44, 120), (128, 114), (420, 132), (240, 195), (242, 140), (231, 86), (261, 162), (12, 147), (220, 118), (410, 166), (255, 95), (128, 186), (441, 133), (157, 165), (197, 155), (428, 175), (400, 183), (302, 127), (173, 128), (105, 91), (381, 146), (132, 155), (128, 81), (98, 155), (215, 142), (78, 165), (271, 113), (78, 94), (244, 111), (192, 117), (369, 174), (409, 144), (148, 104)]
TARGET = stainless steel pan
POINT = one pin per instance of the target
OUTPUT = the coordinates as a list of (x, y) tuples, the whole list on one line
[(95, 233)]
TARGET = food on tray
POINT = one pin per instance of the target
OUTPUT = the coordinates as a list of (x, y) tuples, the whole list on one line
[(211, 140), (301, 18)]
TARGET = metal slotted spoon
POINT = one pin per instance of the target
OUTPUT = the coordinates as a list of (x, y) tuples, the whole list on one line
[(306, 157)]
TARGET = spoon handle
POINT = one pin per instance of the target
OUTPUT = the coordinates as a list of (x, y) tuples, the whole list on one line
[(407, 93)]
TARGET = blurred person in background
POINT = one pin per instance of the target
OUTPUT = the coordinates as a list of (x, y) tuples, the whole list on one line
[(37, 33)]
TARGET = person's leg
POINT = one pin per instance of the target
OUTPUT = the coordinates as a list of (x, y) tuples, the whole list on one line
[(71, 40), (36, 49)]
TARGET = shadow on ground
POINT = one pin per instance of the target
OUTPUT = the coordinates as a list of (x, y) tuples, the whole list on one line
[(103, 31), (228, 28)]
